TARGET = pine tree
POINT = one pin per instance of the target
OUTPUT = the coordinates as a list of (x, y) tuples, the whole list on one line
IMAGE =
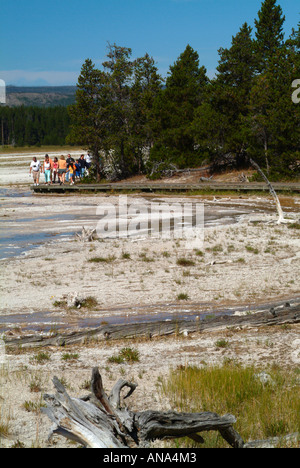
[(275, 119), (88, 114), (221, 121), (146, 86), (174, 110), (269, 32)]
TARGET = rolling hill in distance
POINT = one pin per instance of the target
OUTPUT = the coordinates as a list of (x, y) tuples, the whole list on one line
[(42, 96)]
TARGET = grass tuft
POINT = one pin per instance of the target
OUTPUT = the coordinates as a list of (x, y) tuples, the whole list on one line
[(125, 355)]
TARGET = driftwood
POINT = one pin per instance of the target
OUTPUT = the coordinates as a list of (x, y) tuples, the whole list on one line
[(99, 421), (274, 316), (87, 235), (206, 179)]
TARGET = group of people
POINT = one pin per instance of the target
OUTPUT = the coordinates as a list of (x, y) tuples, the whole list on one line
[(61, 169)]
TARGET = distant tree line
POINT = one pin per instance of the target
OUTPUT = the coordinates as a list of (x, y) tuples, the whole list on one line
[(133, 121), (34, 126)]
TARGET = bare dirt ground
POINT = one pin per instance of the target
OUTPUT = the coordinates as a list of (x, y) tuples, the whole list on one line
[(246, 259), (24, 379), (244, 263)]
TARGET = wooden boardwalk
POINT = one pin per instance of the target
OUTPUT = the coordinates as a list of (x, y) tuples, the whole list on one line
[(126, 187)]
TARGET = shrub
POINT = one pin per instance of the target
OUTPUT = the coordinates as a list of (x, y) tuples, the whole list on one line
[(125, 355), (185, 262), (182, 297)]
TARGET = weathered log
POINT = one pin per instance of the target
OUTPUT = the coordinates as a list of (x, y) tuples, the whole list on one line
[(283, 316), (153, 425), (109, 426), (275, 441)]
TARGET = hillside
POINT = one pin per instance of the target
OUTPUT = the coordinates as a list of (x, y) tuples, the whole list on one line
[(43, 96)]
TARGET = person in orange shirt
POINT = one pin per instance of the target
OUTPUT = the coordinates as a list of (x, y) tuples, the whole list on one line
[(62, 170)]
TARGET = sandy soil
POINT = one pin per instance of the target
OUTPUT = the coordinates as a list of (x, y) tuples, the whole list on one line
[(245, 260), (22, 373)]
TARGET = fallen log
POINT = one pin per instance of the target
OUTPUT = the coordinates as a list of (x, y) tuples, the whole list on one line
[(274, 441), (99, 421), (267, 318)]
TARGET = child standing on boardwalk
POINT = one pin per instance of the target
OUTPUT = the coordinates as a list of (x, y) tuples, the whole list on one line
[(72, 172)]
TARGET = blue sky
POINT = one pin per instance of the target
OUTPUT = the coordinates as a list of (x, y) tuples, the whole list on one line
[(46, 41)]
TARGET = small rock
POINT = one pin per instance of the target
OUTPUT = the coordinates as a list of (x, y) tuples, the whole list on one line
[(264, 378)]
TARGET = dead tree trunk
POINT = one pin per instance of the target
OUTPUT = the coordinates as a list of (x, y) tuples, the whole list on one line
[(99, 421), (273, 193)]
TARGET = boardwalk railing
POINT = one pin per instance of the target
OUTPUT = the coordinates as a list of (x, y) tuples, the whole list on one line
[(166, 187)]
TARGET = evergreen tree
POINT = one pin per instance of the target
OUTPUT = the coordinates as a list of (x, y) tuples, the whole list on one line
[(173, 111), (119, 73), (146, 86), (274, 118), (111, 113), (89, 113), (221, 121), (269, 32), (274, 121)]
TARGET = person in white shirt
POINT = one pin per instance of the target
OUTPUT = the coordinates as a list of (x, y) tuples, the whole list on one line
[(88, 162), (35, 167)]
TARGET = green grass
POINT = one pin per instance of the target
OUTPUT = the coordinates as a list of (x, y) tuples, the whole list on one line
[(89, 302), (4, 428), (41, 357), (262, 410), (70, 356), (221, 343), (32, 407), (109, 259), (125, 355), (60, 304), (145, 258), (185, 262), (126, 256), (182, 297), (251, 249), (294, 226)]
